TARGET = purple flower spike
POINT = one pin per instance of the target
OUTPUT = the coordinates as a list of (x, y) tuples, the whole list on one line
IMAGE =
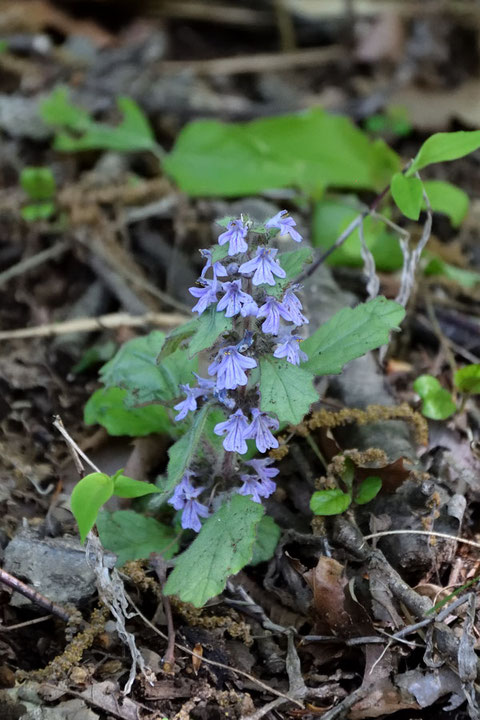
[(289, 347), (235, 428), (187, 405), (293, 305), (272, 310), (264, 472), (260, 430), (183, 498), (264, 266), (229, 366), (235, 235), (218, 269), (285, 224), (255, 487), (235, 300), (206, 295)]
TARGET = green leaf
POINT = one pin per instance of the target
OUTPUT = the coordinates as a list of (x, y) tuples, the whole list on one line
[(95, 355), (332, 216), (447, 199), (127, 487), (182, 453), (408, 195), (437, 403), (330, 502), (311, 150), (222, 548), (292, 262), (467, 380), (351, 333), (437, 266), (210, 325), (37, 211), (368, 489), (87, 498), (38, 182), (59, 111), (132, 536), (268, 535), (442, 147), (286, 390), (135, 369), (107, 407)]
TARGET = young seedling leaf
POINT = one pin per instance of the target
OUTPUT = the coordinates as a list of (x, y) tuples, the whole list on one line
[(286, 390), (222, 548), (437, 403), (408, 194), (330, 502), (351, 333), (38, 183), (447, 199), (436, 266), (87, 498), (369, 488), (132, 536), (127, 487), (467, 380), (107, 407), (37, 211), (59, 111), (268, 535), (442, 147)]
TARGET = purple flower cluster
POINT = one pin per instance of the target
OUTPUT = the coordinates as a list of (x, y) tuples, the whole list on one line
[(244, 294)]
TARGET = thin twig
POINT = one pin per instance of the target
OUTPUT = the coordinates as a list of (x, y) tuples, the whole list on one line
[(27, 623), (92, 324), (423, 532), (33, 595), (34, 261), (73, 447)]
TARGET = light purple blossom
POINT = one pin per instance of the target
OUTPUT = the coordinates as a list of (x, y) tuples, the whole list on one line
[(285, 224), (229, 366), (272, 309), (235, 235), (234, 428), (206, 295), (235, 300), (289, 347), (264, 266), (255, 487), (259, 429), (187, 405), (294, 306), (204, 384), (218, 268), (264, 472), (183, 498)]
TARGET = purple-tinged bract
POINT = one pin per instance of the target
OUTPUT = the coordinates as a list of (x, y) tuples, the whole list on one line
[(264, 266), (285, 224), (235, 428), (235, 235)]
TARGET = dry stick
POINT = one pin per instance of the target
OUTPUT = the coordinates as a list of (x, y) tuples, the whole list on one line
[(423, 532), (183, 648), (159, 565), (74, 448), (92, 324), (27, 623), (33, 595), (34, 261)]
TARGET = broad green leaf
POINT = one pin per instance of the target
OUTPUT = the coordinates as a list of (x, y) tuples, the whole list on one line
[(132, 536), (467, 379), (445, 146), (107, 407), (332, 216), (408, 195), (292, 262), (437, 266), (268, 535), (183, 451), (311, 150), (127, 487), (286, 390), (351, 333), (447, 199), (38, 182), (37, 211), (87, 498), (135, 368), (95, 355), (210, 325), (368, 489), (330, 502), (222, 548), (176, 337), (437, 403)]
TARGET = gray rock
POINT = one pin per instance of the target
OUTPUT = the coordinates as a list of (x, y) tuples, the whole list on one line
[(20, 117), (55, 567)]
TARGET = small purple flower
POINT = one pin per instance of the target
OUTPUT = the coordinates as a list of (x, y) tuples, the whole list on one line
[(289, 347), (229, 366), (187, 405), (204, 384), (235, 428), (264, 472), (272, 309), (255, 487), (235, 300), (218, 269), (235, 235), (260, 430), (206, 295), (183, 498), (264, 266), (285, 224), (294, 306)]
